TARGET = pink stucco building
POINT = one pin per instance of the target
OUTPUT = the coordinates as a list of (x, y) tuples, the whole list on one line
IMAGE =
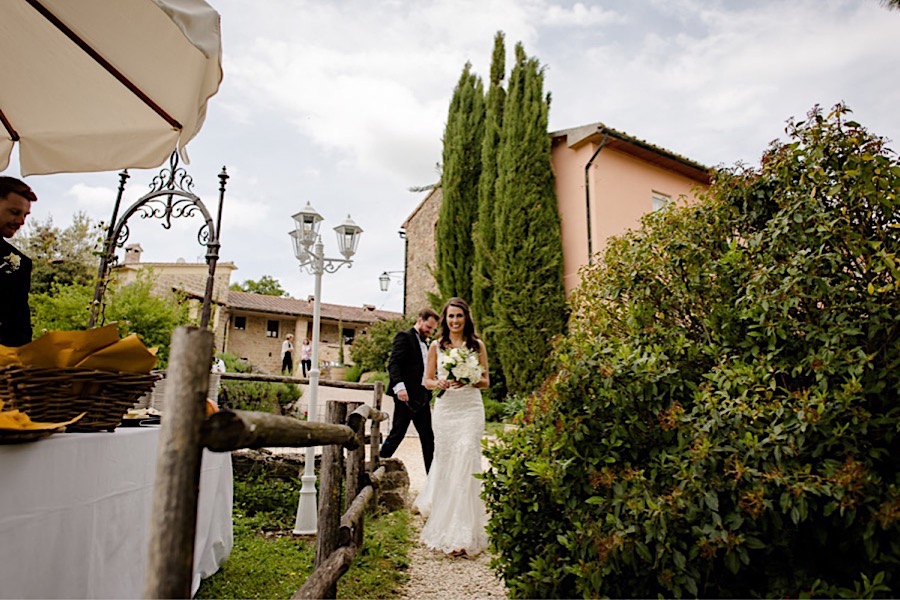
[(603, 177), (610, 180)]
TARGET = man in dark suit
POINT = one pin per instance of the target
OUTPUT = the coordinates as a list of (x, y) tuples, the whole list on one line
[(15, 268), (412, 402)]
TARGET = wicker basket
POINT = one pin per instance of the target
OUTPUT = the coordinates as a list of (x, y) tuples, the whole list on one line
[(56, 395)]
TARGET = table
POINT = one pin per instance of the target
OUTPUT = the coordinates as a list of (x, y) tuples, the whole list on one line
[(75, 514)]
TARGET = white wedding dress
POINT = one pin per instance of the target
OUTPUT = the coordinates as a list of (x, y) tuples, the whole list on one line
[(451, 499)]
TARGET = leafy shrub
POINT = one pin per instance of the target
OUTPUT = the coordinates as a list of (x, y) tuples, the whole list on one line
[(381, 376), (724, 418), (513, 406), (493, 410), (372, 350), (253, 395), (353, 373)]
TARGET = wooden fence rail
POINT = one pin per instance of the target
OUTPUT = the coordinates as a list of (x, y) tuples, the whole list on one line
[(185, 432)]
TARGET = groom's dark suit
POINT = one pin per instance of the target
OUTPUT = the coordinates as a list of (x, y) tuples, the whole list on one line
[(15, 283), (407, 366)]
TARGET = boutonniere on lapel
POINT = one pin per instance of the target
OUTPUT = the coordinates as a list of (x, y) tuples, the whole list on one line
[(10, 263)]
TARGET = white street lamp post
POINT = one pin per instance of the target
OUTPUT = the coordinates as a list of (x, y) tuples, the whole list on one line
[(310, 252)]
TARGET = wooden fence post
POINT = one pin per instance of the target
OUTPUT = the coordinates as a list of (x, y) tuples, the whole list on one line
[(375, 428), (170, 561), (356, 458), (330, 486)]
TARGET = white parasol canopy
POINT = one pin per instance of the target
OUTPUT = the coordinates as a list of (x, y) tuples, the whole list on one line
[(102, 85)]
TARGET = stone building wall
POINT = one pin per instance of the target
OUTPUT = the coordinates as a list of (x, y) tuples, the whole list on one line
[(420, 244), (253, 345)]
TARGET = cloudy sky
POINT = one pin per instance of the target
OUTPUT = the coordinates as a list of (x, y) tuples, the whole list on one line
[(342, 104)]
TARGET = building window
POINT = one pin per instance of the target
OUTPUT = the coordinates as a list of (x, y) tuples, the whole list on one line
[(660, 200), (348, 335), (272, 329), (240, 322)]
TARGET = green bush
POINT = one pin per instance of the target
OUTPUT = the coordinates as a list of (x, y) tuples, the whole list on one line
[(372, 350), (724, 418), (353, 373), (493, 410), (253, 395), (381, 376)]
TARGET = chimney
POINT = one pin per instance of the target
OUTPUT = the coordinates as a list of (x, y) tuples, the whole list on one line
[(133, 254), (310, 298)]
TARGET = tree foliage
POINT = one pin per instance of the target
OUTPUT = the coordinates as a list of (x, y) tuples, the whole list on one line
[(529, 305), (133, 307), (62, 256), (266, 285), (454, 254), (724, 418), (483, 233), (370, 352)]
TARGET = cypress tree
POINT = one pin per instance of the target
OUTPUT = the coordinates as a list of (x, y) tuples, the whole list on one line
[(483, 233), (528, 294), (454, 253)]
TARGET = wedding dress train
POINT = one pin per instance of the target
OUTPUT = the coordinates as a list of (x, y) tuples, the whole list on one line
[(451, 498)]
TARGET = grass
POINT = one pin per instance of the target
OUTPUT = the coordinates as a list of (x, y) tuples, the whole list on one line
[(260, 566), (268, 562), (383, 565)]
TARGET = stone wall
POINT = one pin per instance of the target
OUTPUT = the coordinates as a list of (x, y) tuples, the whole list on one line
[(253, 345), (420, 244)]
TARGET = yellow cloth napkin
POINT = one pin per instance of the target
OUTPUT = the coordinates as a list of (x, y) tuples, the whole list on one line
[(99, 348), (128, 354)]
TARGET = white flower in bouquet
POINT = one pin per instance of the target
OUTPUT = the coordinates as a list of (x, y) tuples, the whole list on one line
[(462, 365)]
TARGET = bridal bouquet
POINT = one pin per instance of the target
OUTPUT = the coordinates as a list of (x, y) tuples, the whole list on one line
[(462, 365)]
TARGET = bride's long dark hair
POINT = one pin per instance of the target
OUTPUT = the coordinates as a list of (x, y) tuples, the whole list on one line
[(469, 335)]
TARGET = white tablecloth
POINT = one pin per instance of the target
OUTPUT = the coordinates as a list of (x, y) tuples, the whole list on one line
[(75, 515)]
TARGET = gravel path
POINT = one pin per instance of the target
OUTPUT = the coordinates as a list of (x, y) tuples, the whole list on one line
[(434, 574)]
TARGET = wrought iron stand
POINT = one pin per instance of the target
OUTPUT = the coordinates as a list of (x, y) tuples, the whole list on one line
[(170, 197)]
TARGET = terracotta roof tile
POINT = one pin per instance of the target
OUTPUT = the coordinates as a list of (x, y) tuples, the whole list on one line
[(304, 308)]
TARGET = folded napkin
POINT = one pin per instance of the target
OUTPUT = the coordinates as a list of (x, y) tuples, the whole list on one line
[(99, 348)]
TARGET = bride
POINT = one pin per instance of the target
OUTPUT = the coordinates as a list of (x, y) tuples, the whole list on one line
[(451, 499)]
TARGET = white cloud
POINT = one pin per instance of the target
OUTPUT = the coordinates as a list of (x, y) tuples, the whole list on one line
[(580, 15), (343, 104)]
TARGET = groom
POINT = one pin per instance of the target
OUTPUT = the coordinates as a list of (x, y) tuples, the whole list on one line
[(412, 402)]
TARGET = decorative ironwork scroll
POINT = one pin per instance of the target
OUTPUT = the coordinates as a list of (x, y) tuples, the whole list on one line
[(170, 197)]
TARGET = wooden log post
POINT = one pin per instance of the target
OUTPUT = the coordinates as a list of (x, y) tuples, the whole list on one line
[(356, 458), (231, 430), (330, 486), (324, 578), (170, 561), (375, 429)]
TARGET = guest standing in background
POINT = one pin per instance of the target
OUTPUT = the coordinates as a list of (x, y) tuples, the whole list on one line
[(306, 356), (15, 268), (287, 354)]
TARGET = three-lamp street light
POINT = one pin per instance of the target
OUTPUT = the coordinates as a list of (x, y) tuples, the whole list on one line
[(310, 253)]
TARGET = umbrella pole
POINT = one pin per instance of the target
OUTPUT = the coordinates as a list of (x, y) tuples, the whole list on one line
[(107, 255)]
